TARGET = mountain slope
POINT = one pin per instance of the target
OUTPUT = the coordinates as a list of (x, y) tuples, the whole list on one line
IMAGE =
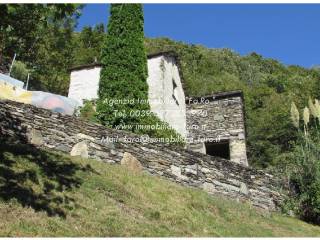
[(49, 194), (269, 87)]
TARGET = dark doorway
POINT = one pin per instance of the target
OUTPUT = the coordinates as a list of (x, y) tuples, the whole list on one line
[(218, 149)]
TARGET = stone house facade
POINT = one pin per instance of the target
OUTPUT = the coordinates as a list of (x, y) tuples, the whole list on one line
[(166, 95), (216, 125), (213, 125)]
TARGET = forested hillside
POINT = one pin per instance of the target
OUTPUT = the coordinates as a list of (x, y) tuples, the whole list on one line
[(269, 88), (50, 48)]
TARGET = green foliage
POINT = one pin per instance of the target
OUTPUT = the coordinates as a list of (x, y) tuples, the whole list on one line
[(19, 71), (88, 45), (303, 169), (305, 180), (56, 51), (124, 67), (41, 35), (268, 86), (88, 111), (22, 26), (124, 74)]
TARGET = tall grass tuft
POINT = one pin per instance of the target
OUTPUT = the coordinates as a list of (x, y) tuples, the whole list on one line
[(295, 115), (306, 119), (317, 108), (312, 108), (306, 116)]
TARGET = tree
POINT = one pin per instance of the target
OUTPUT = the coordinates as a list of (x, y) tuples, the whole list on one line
[(124, 67), (89, 44), (54, 58), (22, 26), (123, 76), (41, 36)]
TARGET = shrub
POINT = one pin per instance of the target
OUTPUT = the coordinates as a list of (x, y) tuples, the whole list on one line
[(88, 111), (19, 71), (304, 167)]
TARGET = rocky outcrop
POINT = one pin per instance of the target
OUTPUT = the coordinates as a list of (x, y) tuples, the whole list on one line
[(215, 175)]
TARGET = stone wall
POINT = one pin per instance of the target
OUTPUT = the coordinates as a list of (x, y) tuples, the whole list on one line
[(50, 130), (219, 117)]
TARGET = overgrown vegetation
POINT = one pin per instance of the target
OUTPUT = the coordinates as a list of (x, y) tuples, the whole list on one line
[(88, 45), (303, 165), (91, 198), (88, 111), (124, 71), (269, 88), (42, 37)]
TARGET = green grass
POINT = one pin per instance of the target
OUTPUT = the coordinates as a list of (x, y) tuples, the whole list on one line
[(48, 194)]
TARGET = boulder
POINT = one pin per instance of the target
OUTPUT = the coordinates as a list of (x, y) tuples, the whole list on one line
[(80, 149), (130, 162)]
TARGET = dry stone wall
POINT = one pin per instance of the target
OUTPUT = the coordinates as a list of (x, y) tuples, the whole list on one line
[(49, 130)]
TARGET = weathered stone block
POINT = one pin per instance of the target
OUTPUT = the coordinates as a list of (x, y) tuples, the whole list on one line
[(191, 171), (176, 170), (80, 149), (84, 137), (244, 189), (228, 187), (131, 163), (209, 187), (35, 137), (205, 170)]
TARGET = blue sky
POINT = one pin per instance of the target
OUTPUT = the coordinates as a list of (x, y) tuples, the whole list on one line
[(286, 32)]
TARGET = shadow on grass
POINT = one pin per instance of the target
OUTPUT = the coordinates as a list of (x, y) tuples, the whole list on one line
[(38, 179)]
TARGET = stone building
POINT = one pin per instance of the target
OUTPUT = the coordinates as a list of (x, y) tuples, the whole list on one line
[(166, 95), (212, 125), (216, 125)]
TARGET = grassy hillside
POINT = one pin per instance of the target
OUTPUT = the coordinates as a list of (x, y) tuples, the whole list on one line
[(49, 194)]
